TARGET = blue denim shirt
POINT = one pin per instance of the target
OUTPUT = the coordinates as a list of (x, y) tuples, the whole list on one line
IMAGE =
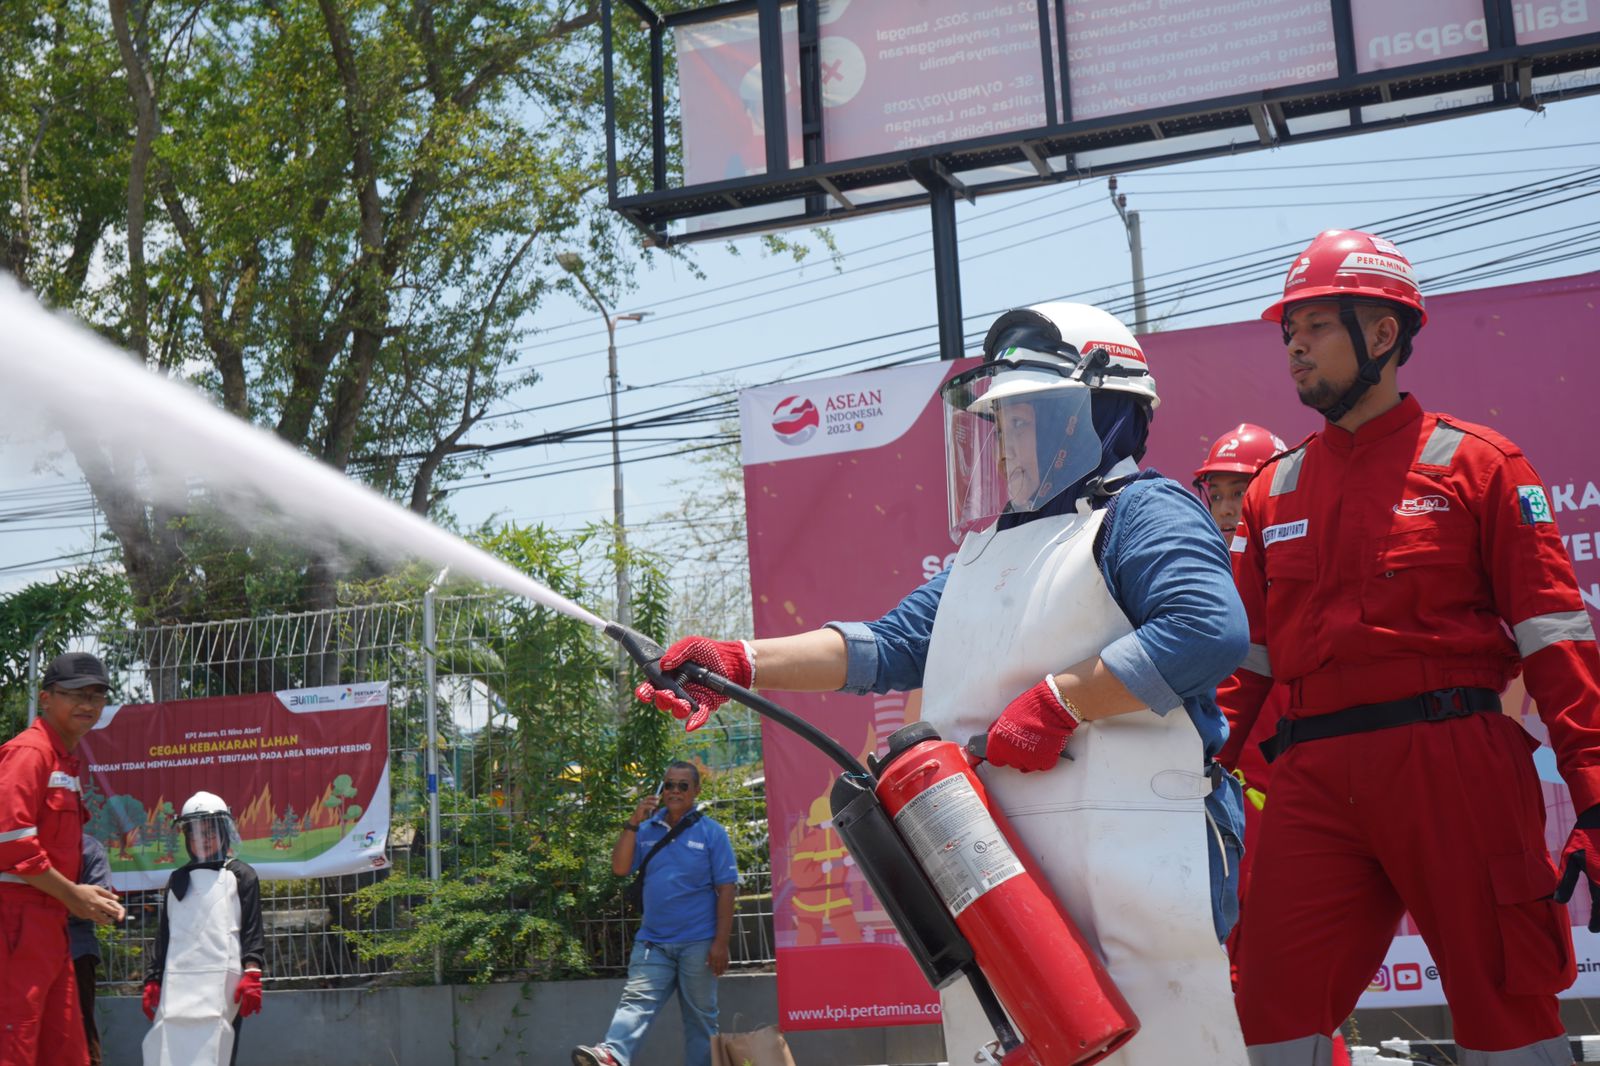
[(1166, 566)]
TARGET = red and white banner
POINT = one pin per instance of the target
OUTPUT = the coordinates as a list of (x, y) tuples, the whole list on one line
[(844, 486), (305, 772)]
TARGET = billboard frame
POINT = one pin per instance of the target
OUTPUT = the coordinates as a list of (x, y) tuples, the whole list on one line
[(1049, 152)]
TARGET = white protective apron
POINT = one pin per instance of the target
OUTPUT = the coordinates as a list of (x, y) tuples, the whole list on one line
[(194, 1024), (1121, 832)]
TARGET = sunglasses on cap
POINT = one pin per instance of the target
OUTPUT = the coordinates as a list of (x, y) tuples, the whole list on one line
[(676, 786)]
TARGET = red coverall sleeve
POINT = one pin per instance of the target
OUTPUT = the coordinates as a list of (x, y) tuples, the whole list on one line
[(1536, 594), (24, 774), (1240, 697)]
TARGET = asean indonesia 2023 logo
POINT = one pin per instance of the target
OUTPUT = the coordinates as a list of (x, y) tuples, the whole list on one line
[(795, 420)]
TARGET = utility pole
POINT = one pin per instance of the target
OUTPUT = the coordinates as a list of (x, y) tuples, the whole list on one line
[(572, 263), (1130, 222)]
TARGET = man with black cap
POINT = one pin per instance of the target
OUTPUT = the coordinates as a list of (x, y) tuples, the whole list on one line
[(41, 833)]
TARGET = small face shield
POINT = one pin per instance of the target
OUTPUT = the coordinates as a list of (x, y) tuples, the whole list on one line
[(1018, 432), (210, 837)]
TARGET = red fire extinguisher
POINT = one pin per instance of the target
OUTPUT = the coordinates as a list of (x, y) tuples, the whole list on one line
[(959, 887), (1044, 974)]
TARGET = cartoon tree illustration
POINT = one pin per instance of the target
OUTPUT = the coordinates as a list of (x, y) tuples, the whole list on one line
[(93, 800), (291, 825), (280, 835), (352, 814), (97, 825), (124, 817), (164, 832), (340, 792)]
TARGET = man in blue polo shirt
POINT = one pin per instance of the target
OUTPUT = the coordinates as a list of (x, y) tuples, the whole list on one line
[(688, 913)]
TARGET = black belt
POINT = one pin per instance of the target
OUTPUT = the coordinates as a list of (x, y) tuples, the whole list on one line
[(1433, 706)]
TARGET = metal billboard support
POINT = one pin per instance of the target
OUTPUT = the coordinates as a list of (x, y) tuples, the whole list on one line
[(946, 270)]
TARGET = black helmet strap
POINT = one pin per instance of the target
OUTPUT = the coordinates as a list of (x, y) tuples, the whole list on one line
[(1368, 369)]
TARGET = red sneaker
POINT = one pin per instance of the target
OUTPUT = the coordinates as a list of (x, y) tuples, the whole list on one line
[(598, 1055)]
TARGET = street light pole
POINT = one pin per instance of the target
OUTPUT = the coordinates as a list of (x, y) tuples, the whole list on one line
[(573, 264), (1130, 222)]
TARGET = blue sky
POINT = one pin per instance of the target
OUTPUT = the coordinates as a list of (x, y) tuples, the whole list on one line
[(1016, 248)]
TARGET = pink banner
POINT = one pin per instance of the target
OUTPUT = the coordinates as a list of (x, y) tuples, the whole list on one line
[(305, 772), (1137, 55), (895, 74), (720, 96), (844, 487), (1550, 20), (1388, 34)]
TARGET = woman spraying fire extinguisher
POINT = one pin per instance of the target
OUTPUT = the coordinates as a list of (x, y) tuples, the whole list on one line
[(1089, 601)]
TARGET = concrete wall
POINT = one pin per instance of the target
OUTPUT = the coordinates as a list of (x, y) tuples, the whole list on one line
[(537, 1024), (466, 1025)]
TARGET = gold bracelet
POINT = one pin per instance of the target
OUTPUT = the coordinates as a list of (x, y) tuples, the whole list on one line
[(1066, 704)]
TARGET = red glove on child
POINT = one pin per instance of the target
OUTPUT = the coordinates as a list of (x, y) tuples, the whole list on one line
[(1032, 730), (152, 999), (729, 658), (248, 994), (1581, 857)]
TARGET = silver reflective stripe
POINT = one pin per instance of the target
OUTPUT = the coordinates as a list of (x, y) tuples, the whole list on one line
[(1542, 630), (13, 879), (1441, 446), (1556, 1051), (1286, 475), (19, 834), (1256, 661), (1307, 1051)]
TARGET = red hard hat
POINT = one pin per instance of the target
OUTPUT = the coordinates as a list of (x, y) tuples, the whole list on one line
[(1242, 450), (1348, 262)]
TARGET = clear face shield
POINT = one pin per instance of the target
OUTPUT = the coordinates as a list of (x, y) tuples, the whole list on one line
[(1018, 432), (210, 837)]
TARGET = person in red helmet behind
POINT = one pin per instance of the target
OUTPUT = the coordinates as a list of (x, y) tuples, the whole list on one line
[(1398, 568), (1221, 480), (1232, 461)]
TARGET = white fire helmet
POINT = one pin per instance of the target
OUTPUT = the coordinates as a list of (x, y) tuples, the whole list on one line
[(208, 829), (1019, 429)]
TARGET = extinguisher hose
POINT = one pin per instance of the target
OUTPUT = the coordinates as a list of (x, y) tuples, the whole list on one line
[(647, 653)]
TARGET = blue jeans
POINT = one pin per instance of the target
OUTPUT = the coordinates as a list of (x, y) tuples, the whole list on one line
[(654, 971)]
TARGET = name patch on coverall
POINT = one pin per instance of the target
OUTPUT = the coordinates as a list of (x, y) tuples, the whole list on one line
[(1284, 531)]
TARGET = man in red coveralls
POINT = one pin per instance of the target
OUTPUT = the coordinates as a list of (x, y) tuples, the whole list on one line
[(41, 833), (1399, 568)]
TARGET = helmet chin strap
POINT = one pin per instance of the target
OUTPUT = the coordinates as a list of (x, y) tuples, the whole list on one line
[(1368, 370)]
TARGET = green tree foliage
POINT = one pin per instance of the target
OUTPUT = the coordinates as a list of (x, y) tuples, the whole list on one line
[(336, 216), (529, 857), (50, 613)]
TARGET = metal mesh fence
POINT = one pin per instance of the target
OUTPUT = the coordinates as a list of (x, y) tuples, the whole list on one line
[(308, 921)]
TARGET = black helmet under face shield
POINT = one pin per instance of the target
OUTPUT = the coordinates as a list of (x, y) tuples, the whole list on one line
[(1018, 432)]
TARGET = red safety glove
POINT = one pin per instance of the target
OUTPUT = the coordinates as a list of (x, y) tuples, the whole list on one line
[(152, 999), (729, 658), (248, 994), (1581, 856), (1032, 730)]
